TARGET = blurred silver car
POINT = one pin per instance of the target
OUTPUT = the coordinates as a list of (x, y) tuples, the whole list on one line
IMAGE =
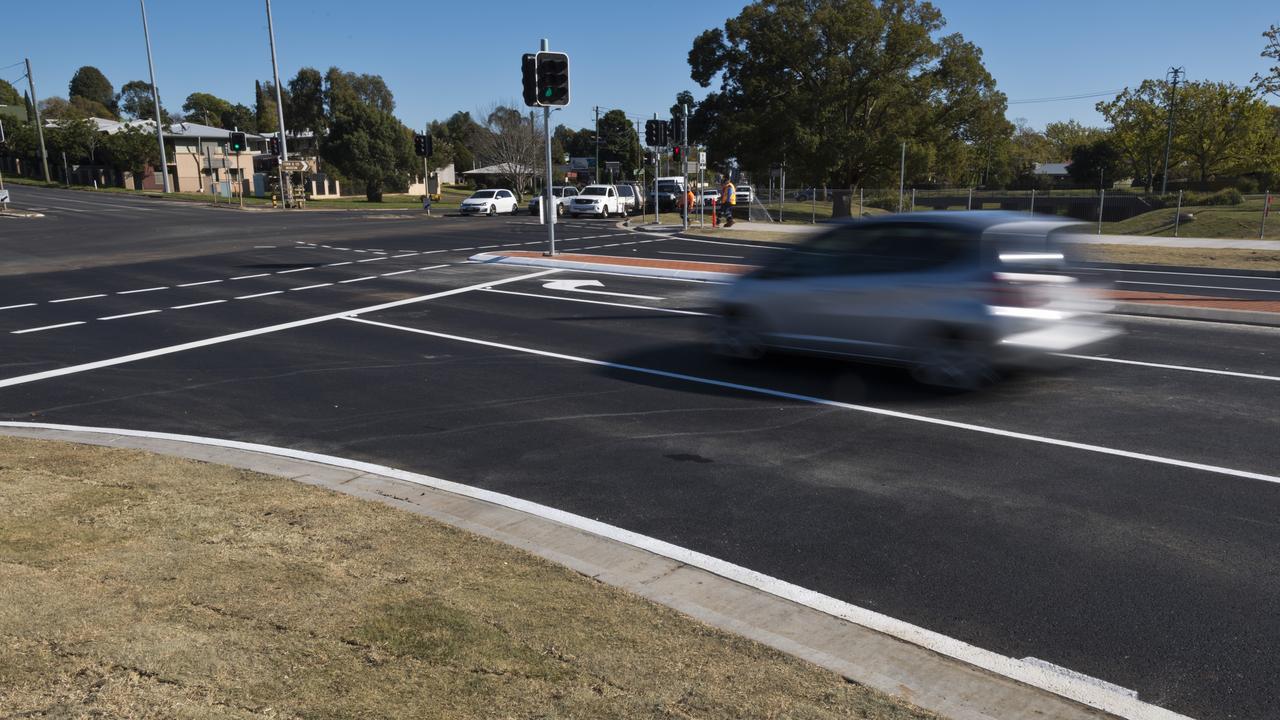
[(954, 296)]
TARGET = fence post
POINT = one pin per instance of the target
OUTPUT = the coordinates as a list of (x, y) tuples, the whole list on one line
[(1266, 209), (859, 203), (1032, 211), (1102, 201), (970, 205), (1177, 216)]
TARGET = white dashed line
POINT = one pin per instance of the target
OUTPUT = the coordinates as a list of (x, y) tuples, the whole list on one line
[(247, 277), (206, 282), (126, 315), (398, 272), (348, 262), (152, 289), (46, 327), (11, 307), (359, 279), (369, 260), (82, 297), (258, 295), (207, 302), (286, 272), (310, 287), (405, 255)]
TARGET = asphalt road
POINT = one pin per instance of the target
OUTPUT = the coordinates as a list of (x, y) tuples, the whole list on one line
[(1118, 519)]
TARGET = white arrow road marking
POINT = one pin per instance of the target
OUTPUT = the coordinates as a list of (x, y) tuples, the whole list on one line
[(577, 285)]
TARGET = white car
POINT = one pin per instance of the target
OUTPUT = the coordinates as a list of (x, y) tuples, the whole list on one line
[(709, 196), (599, 200), (559, 193), (489, 202)]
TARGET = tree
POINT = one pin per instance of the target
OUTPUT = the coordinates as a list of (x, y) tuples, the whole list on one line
[(132, 150), (306, 102), (1065, 137), (618, 142), (835, 86), (137, 103), (239, 116), (9, 94), (1138, 119), (85, 108), (54, 108), (207, 109), (1270, 83), (1219, 128), (506, 140), (1096, 162), (264, 108), (365, 142), (77, 137), (89, 83)]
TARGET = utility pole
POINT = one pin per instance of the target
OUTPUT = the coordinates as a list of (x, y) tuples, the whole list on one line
[(596, 174), (286, 193), (1174, 75), (684, 161), (155, 98), (902, 176), (35, 105)]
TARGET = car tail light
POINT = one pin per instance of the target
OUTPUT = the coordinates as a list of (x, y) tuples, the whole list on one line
[(1016, 289)]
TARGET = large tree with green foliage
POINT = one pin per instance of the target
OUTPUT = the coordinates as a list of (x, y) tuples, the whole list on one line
[(9, 94), (89, 83), (306, 109), (132, 150), (618, 142), (137, 102), (1270, 82), (1138, 119), (1219, 129), (207, 109), (506, 140), (835, 86), (77, 137), (1096, 163), (366, 143)]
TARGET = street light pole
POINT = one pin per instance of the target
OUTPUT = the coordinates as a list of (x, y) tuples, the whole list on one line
[(285, 192), (155, 98)]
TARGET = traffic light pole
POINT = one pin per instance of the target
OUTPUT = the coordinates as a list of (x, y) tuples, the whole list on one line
[(548, 210)]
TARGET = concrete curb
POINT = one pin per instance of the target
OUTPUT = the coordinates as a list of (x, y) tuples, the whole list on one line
[(604, 267), (898, 664), (1239, 317)]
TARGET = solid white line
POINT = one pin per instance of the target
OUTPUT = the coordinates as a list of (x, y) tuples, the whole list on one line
[(46, 327), (152, 289), (199, 304), (1101, 449), (1074, 688), (1171, 272), (1202, 287), (127, 315), (597, 302), (286, 272), (258, 295), (398, 272), (206, 282), (1208, 371), (348, 262), (310, 287), (246, 277), (82, 297), (668, 252), (133, 357), (12, 307), (367, 277)]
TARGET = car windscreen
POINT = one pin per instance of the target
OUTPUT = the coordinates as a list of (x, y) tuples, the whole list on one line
[(624, 190), (668, 187), (483, 194), (595, 190)]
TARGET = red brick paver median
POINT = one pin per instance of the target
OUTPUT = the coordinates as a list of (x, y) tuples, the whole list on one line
[(1198, 301)]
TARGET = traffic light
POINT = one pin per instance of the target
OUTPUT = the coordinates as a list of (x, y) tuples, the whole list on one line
[(651, 133), (650, 158), (529, 78), (238, 143), (553, 79), (676, 153), (422, 145), (664, 132), (273, 146)]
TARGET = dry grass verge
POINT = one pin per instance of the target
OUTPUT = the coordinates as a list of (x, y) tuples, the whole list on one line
[(757, 235), (1187, 257), (136, 585)]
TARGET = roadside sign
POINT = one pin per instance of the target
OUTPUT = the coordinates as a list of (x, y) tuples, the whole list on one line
[(4, 195), (702, 157), (294, 166)]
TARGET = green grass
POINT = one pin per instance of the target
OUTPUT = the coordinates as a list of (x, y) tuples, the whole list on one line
[(1210, 221)]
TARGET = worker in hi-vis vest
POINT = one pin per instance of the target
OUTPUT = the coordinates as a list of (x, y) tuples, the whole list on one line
[(728, 198)]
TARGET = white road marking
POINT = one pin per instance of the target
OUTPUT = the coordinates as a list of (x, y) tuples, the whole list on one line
[(46, 327), (369, 260), (258, 295), (205, 282), (1012, 434), (309, 287), (1069, 686), (260, 247), (128, 315), (408, 254), (348, 262), (14, 307), (597, 302), (82, 297), (1202, 287), (576, 286), (733, 244), (398, 272), (151, 289), (247, 277), (434, 267), (1193, 274), (199, 304), (359, 279), (286, 272), (735, 257), (133, 357), (1208, 371)]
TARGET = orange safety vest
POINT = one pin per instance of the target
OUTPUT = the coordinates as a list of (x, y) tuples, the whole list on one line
[(728, 194)]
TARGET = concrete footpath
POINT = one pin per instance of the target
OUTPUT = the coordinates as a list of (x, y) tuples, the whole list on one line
[(935, 672)]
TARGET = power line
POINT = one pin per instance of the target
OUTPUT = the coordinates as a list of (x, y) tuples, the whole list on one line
[(1063, 98)]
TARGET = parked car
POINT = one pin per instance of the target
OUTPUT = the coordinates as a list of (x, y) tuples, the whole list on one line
[(744, 194), (668, 193), (489, 202), (955, 297), (807, 194), (631, 198), (599, 200), (708, 196), (561, 193)]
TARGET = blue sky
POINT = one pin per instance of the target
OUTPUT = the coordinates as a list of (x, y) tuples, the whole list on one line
[(440, 57)]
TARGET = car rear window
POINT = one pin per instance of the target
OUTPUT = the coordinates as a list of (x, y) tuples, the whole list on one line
[(858, 249)]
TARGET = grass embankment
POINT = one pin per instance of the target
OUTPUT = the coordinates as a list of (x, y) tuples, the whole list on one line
[(137, 585), (1241, 221)]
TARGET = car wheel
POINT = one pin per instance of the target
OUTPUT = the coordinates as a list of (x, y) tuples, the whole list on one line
[(493, 210), (738, 334), (950, 359), (604, 212), (559, 211)]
